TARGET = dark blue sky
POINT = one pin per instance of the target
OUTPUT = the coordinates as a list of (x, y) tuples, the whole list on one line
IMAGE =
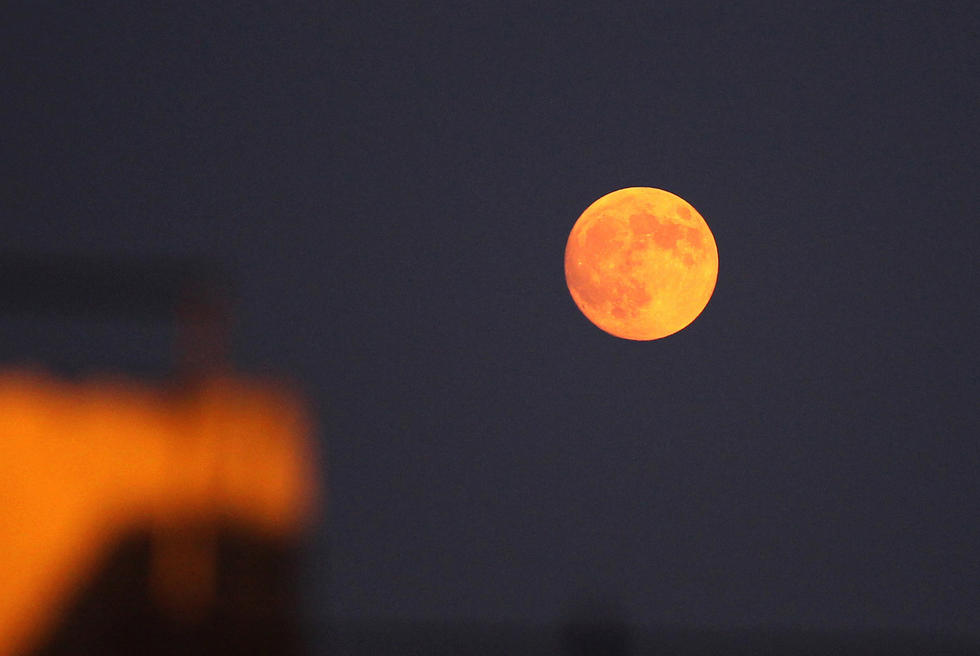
[(393, 187)]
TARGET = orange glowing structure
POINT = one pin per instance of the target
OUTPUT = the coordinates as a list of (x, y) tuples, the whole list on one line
[(641, 263), (83, 464)]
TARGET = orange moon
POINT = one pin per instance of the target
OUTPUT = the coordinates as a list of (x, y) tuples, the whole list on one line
[(641, 263)]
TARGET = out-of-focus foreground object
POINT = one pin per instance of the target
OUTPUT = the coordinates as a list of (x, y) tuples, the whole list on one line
[(149, 519)]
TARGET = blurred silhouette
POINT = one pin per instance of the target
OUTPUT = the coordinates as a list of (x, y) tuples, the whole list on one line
[(596, 628), (140, 519)]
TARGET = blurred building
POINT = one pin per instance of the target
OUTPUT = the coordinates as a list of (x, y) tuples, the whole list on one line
[(148, 518)]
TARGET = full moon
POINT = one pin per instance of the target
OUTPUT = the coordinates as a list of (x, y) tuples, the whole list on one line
[(641, 263)]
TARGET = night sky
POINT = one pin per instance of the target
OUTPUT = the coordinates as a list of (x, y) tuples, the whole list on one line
[(392, 188)]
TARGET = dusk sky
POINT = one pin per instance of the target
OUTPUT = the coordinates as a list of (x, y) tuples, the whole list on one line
[(392, 188)]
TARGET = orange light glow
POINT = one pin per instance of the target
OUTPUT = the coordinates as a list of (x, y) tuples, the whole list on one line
[(641, 263), (82, 464)]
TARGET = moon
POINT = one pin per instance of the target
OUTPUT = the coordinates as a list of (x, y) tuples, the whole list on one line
[(641, 263)]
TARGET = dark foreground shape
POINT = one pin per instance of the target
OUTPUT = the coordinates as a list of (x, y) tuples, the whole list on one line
[(254, 611), (446, 638)]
